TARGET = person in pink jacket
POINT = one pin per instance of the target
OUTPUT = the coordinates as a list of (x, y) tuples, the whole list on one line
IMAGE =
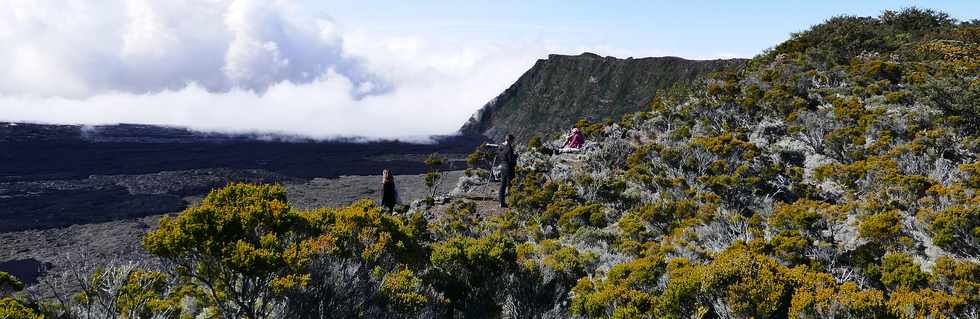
[(573, 142)]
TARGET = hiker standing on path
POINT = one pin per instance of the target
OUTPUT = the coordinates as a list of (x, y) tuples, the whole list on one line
[(507, 173), (389, 196)]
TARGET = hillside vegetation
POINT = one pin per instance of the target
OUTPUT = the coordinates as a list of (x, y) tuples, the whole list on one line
[(833, 176)]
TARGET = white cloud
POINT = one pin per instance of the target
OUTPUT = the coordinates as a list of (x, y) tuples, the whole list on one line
[(241, 66), (237, 66)]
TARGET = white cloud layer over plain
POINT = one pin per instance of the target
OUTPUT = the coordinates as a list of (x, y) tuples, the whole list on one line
[(240, 66)]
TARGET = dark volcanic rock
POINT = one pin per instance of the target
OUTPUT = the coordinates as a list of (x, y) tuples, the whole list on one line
[(56, 152), (57, 208), (25, 270), (189, 182), (47, 204), (558, 91), (59, 175)]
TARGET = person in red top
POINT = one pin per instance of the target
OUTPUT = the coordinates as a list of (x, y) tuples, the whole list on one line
[(573, 142)]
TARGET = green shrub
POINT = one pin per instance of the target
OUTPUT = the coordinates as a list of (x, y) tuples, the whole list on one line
[(790, 247), (958, 277), (469, 271), (9, 284), (458, 219), (882, 229), (403, 291), (628, 290), (433, 178), (569, 263), (924, 303), (956, 228), (11, 308), (242, 244), (810, 218), (534, 142), (363, 232), (844, 301), (649, 221), (583, 215), (898, 270)]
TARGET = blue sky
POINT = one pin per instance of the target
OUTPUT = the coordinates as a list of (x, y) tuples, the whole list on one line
[(685, 28)]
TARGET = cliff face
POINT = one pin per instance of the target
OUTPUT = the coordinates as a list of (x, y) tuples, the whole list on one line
[(558, 91)]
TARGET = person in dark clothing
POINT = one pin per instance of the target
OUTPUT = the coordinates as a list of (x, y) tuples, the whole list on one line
[(509, 158), (389, 196)]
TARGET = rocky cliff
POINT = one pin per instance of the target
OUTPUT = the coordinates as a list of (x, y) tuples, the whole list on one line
[(558, 91)]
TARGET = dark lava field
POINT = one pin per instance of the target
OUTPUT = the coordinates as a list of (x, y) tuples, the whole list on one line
[(59, 175)]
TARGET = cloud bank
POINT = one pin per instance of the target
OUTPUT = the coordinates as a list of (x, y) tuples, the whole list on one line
[(240, 66)]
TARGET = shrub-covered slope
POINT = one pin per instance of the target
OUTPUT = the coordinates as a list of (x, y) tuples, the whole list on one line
[(835, 176), (558, 91)]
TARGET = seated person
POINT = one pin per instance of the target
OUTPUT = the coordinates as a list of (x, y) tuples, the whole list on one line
[(573, 142)]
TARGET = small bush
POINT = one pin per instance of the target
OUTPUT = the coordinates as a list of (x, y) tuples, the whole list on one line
[(898, 270), (882, 229), (583, 215)]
